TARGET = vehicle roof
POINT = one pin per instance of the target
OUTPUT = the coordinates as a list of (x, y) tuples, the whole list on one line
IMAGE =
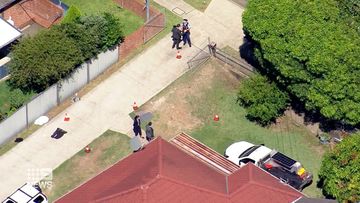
[(259, 153), (29, 190), (20, 197)]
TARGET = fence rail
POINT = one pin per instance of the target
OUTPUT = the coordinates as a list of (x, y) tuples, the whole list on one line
[(201, 57), (55, 94), (241, 65)]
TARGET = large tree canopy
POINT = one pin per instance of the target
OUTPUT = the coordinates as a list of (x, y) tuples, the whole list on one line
[(340, 170), (309, 48)]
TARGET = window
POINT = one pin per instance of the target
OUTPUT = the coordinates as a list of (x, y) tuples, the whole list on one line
[(247, 160), (39, 199), (249, 151)]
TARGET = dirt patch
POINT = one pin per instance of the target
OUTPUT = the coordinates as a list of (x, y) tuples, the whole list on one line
[(172, 109)]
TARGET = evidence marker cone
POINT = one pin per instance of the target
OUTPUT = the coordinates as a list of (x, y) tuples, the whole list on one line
[(178, 55), (216, 117), (87, 149), (135, 106), (67, 118)]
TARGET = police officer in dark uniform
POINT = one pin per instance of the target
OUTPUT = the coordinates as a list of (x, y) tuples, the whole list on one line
[(176, 36)]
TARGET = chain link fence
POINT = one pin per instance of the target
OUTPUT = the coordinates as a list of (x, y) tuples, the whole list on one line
[(152, 27)]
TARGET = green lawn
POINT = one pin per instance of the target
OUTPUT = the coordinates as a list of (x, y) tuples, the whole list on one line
[(200, 5), (130, 20), (4, 97), (233, 126), (5, 93), (107, 149)]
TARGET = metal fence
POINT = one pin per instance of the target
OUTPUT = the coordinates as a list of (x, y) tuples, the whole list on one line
[(245, 68), (201, 57), (55, 94), (152, 27)]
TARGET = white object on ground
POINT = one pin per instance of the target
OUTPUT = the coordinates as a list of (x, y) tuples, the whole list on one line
[(41, 120)]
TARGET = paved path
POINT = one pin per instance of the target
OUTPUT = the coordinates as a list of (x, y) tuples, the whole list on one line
[(107, 106)]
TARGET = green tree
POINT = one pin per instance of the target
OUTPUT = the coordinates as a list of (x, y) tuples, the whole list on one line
[(340, 170), (114, 31), (106, 30), (72, 14), (350, 11), (307, 47), (41, 61), (263, 100), (80, 36)]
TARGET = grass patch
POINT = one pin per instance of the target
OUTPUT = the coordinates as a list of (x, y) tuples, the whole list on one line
[(130, 20), (107, 149), (200, 5), (5, 92), (232, 52)]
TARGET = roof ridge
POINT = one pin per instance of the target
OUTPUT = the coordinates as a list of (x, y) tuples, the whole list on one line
[(160, 150)]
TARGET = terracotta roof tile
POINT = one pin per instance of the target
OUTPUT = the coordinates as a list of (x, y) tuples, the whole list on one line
[(43, 12), (18, 15)]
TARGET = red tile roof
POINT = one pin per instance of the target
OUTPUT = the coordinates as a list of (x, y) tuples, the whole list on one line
[(164, 173), (43, 12), (18, 15)]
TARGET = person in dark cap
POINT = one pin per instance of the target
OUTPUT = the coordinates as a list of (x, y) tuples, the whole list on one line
[(176, 36), (149, 132), (186, 32), (137, 126)]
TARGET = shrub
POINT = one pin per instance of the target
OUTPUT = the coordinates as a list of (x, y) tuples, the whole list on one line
[(264, 100), (106, 30), (72, 14), (81, 37), (41, 61), (340, 170)]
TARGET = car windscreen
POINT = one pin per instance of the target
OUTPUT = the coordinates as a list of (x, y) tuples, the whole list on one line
[(248, 151), (39, 199)]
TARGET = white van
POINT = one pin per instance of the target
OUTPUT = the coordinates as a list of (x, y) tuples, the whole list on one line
[(27, 194)]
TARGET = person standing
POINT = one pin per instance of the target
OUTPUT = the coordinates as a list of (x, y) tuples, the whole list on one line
[(149, 132), (176, 36), (186, 32), (137, 126)]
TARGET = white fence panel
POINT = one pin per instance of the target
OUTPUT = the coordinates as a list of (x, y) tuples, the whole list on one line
[(72, 84), (103, 62), (40, 105), (13, 125), (108, 58)]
